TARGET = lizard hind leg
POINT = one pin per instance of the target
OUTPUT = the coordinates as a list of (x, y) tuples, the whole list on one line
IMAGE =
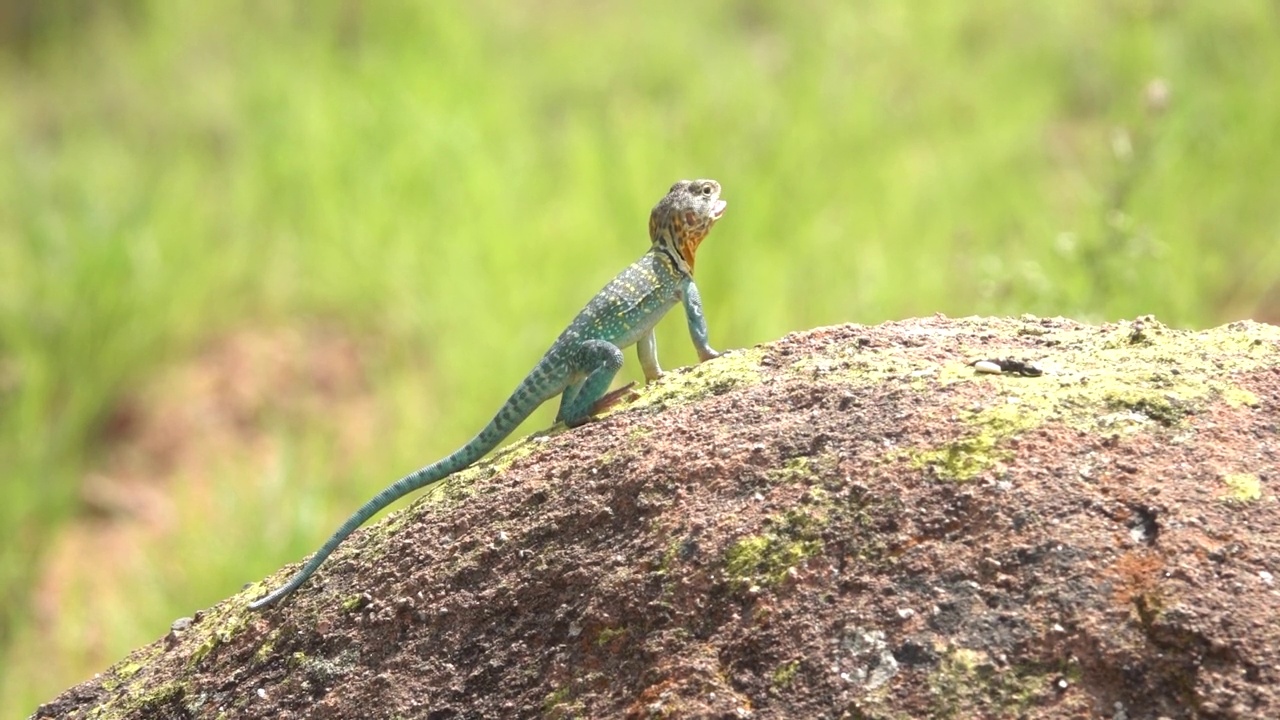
[(566, 397), (613, 397), (598, 361)]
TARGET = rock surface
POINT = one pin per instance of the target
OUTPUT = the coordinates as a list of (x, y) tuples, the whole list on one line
[(848, 522)]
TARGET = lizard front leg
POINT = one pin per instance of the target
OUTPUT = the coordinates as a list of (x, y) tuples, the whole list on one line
[(697, 321), (647, 351)]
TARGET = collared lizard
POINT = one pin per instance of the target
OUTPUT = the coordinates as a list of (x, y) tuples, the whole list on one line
[(583, 361)]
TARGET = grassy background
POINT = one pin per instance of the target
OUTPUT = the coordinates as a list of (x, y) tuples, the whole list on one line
[(456, 179)]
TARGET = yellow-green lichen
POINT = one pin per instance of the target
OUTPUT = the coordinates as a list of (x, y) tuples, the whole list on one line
[(963, 459), (127, 669), (216, 629), (608, 635), (267, 647), (864, 366), (159, 700), (767, 558), (453, 488), (803, 468), (785, 674), (1165, 407), (669, 555), (1239, 397), (322, 670), (731, 370), (551, 704), (967, 681), (1242, 487), (974, 453), (1099, 380), (639, 432)]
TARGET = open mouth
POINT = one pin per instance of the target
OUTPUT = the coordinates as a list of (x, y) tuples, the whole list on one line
[(718, 209)]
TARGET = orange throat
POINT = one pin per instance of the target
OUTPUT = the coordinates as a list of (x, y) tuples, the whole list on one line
[(689, 247)]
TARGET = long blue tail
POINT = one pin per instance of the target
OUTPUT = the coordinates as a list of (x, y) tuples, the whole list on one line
[(536, 389)]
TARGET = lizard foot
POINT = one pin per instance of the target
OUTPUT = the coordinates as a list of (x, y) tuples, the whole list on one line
[(611, 398)]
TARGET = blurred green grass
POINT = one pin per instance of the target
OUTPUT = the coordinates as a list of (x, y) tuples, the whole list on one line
[(459, 178)]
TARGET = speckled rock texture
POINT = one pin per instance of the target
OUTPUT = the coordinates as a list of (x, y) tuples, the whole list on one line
[(849, 522)]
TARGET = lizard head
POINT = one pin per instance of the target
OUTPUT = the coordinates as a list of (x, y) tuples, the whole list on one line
[(682, 218)]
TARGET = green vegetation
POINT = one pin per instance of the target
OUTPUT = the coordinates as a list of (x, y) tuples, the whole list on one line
[(453, 181)]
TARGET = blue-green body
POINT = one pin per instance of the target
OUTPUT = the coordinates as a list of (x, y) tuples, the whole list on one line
[(580, 366)]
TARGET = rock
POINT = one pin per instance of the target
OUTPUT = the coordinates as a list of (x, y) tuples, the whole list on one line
[(846, 522)]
